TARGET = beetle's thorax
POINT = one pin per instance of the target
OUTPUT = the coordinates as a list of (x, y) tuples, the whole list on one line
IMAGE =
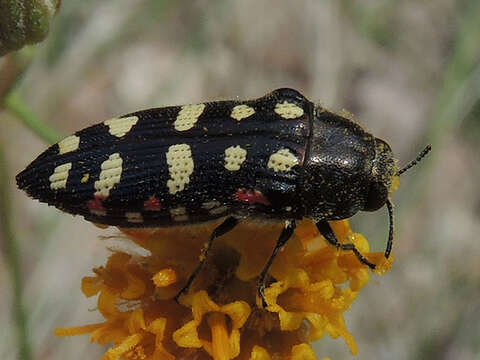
[(384, 170), (384, 165), (338, 167)]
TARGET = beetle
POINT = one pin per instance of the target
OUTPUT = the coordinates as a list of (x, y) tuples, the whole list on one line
[(278, 157)]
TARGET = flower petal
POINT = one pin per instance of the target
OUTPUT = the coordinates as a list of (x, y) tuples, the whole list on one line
[(238, 311), (303, 352), (187, 336), (259, 353)]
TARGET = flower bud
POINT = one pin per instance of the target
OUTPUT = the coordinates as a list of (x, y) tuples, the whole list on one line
[(24, 22)]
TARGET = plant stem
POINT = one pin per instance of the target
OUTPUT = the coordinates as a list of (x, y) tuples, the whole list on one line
[(11, 251), (14, 103)]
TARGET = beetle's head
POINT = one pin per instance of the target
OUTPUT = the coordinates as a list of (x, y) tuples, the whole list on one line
[(384, 173), (384, 170)]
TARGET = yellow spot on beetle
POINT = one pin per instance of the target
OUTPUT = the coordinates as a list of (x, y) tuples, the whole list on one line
[(85, 178), (179, 214), (180, 167), (120, 126), (234, 157), (58, 180), (288, 110), (241, 112), (188, 116), (134, 217), (68, 144), (282, 160), (111, 171)]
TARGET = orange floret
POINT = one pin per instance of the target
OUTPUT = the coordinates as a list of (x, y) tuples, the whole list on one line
[(222, 317)]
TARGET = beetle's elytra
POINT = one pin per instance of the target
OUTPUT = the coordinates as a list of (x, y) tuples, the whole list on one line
[(279, 157)]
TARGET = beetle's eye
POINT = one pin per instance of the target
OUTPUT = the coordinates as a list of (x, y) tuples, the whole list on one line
[(377, 196)]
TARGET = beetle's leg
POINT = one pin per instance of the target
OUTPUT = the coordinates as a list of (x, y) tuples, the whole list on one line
[(327, 232), (286, 234), (220, 230)]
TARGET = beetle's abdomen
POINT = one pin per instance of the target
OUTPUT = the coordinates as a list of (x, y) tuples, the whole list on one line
[(181, 164)]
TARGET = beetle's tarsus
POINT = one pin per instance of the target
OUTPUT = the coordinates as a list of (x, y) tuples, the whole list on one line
[(177, 297), (286, 234), (388, 249), (261, 293), (326, 230)]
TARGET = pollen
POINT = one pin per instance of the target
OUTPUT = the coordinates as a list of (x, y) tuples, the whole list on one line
[(312, 284)]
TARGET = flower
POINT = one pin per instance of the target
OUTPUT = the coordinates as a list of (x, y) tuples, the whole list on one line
[(311, 284)]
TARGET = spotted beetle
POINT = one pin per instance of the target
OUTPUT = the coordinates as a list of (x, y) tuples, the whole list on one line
[(277, 157)]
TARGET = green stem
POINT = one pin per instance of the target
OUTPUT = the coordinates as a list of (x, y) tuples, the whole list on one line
[(14, 103), (11, 251)]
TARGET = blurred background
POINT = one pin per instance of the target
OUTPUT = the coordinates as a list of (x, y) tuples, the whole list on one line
[(409, 71)]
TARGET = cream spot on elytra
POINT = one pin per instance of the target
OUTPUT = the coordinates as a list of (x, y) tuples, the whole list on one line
[(68, 144), (241, 112), (134, 217), (210, 204), (214, 207), (283, 160), (179, 214), (120, 126), (234, 157), (180, 167), (288, 110), (58, 180), (111, 171), (188, 116)]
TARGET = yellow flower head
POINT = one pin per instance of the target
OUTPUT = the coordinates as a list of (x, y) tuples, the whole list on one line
[(311, 284)]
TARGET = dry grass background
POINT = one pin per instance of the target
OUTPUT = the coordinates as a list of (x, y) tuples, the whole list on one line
[(408, 70)]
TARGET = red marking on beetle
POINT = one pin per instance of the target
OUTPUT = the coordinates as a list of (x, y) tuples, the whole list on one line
[(97, 203), (152, 204), (251, 197)]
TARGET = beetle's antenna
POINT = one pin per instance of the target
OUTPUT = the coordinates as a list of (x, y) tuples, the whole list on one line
[(416, 161), (388, 250)]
